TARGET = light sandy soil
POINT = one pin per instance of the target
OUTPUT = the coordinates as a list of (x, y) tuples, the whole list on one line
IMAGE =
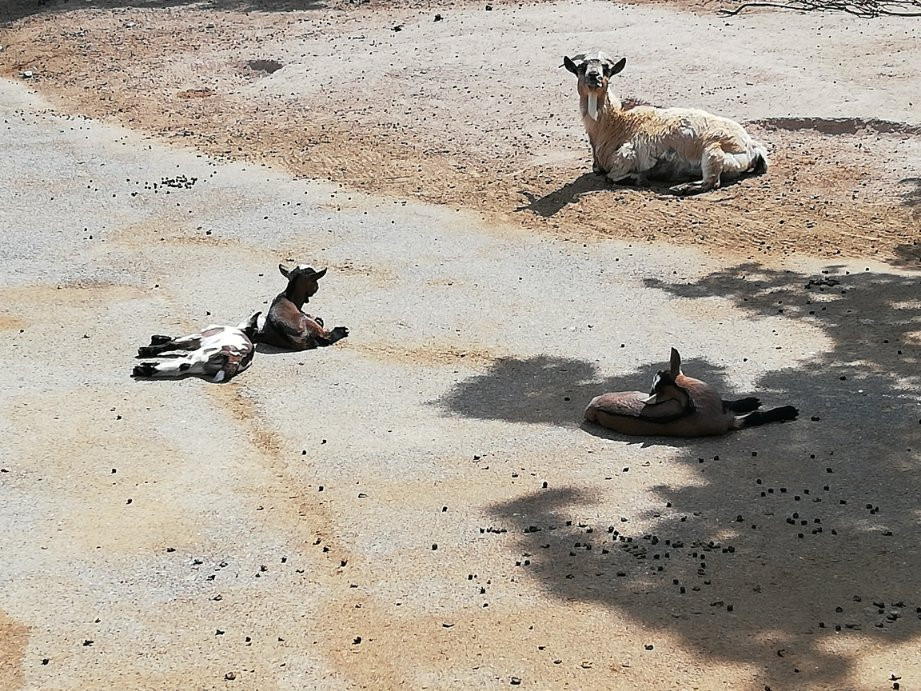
[(418, 506)]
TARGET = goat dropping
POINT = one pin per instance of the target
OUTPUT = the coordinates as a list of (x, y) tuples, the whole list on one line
[(644, 143), (679, 406)]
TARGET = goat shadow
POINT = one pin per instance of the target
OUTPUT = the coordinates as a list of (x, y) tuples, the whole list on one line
[(553, 202)]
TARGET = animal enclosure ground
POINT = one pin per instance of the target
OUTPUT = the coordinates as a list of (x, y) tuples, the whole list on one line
[(418, 506)]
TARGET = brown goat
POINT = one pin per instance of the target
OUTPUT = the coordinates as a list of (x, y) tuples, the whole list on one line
[(286, 325), (679, 406)]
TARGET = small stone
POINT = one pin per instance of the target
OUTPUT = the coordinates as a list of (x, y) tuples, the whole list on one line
[(230, 676)]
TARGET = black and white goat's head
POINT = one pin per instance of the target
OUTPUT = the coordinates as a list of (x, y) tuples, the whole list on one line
[(594, 71)]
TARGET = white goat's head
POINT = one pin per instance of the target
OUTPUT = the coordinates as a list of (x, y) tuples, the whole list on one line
[(593, 70)]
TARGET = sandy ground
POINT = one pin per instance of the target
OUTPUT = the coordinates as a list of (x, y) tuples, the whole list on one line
[(419, 506)]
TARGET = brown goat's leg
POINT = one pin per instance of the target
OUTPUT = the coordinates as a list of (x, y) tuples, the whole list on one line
[(321, 335)]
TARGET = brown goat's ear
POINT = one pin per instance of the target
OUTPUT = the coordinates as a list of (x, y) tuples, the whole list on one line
[(611, 70), (570, 65), (284, 272), (674, 363)]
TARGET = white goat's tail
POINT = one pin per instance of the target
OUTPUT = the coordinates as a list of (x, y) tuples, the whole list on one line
[(759, 164)]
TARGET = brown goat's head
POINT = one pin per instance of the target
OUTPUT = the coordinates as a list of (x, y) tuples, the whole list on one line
[(594, 70), (665, 386), (302, 281)]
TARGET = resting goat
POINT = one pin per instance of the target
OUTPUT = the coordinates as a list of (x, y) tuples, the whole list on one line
[(679, 406), (219, 352), (646, 143), (286, 326)]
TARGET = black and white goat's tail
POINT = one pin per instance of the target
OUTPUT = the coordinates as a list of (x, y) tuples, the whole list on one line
[(758, 417)]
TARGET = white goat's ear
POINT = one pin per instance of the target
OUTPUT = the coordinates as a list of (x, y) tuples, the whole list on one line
[(611, 69), (675, 363), (570, 65), (284, 272)]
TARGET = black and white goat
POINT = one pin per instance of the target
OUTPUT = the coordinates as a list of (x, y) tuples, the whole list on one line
[(219, 352)]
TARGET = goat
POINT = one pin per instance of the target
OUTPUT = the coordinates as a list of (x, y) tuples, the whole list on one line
[(679, 406), (218, 351), (647, 143), (286, 325)]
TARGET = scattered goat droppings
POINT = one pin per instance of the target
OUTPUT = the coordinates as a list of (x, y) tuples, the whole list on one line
[(356, 640), (815, 418), (218, 632), (557, 662), (514, 681), (230, 676), (87, 642), (170, 549), (447, 626), (129, 501), (435, 546), (45, 660), (648, 646)]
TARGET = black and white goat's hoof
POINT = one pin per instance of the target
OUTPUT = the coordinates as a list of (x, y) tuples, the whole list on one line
[(145, 369), (338, 333)]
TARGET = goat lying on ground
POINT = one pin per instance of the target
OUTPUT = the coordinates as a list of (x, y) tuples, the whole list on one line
[(646, 143), (286, 326), (218, 351), (679, 406)]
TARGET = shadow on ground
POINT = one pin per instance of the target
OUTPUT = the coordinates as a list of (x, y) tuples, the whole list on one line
[(551, 390), (13, 10), (799, 542)]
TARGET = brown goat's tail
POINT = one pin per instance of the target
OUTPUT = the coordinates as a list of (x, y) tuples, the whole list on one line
[(756, 418)]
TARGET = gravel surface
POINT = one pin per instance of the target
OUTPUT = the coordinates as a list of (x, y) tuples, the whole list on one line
[(419, 505)]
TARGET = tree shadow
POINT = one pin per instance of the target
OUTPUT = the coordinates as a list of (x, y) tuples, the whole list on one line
[(796, 544), (14, 10), (550, 390)]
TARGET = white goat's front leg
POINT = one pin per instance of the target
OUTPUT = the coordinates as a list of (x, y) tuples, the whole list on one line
[(713, 162), (622, 164)]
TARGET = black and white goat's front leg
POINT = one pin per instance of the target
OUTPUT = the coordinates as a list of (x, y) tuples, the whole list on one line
[(161, 346), (622, 166)]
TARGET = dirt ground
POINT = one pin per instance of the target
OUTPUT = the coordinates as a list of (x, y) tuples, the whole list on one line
[(418, 506)]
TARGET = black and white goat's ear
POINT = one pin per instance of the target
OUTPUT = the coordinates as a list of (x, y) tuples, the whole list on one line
[(252, 323), (611, 69), (674, 363), (570, 65), (284, 271)]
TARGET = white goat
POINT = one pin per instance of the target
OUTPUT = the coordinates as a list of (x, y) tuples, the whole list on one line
[(219, 352), (646, 143)]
